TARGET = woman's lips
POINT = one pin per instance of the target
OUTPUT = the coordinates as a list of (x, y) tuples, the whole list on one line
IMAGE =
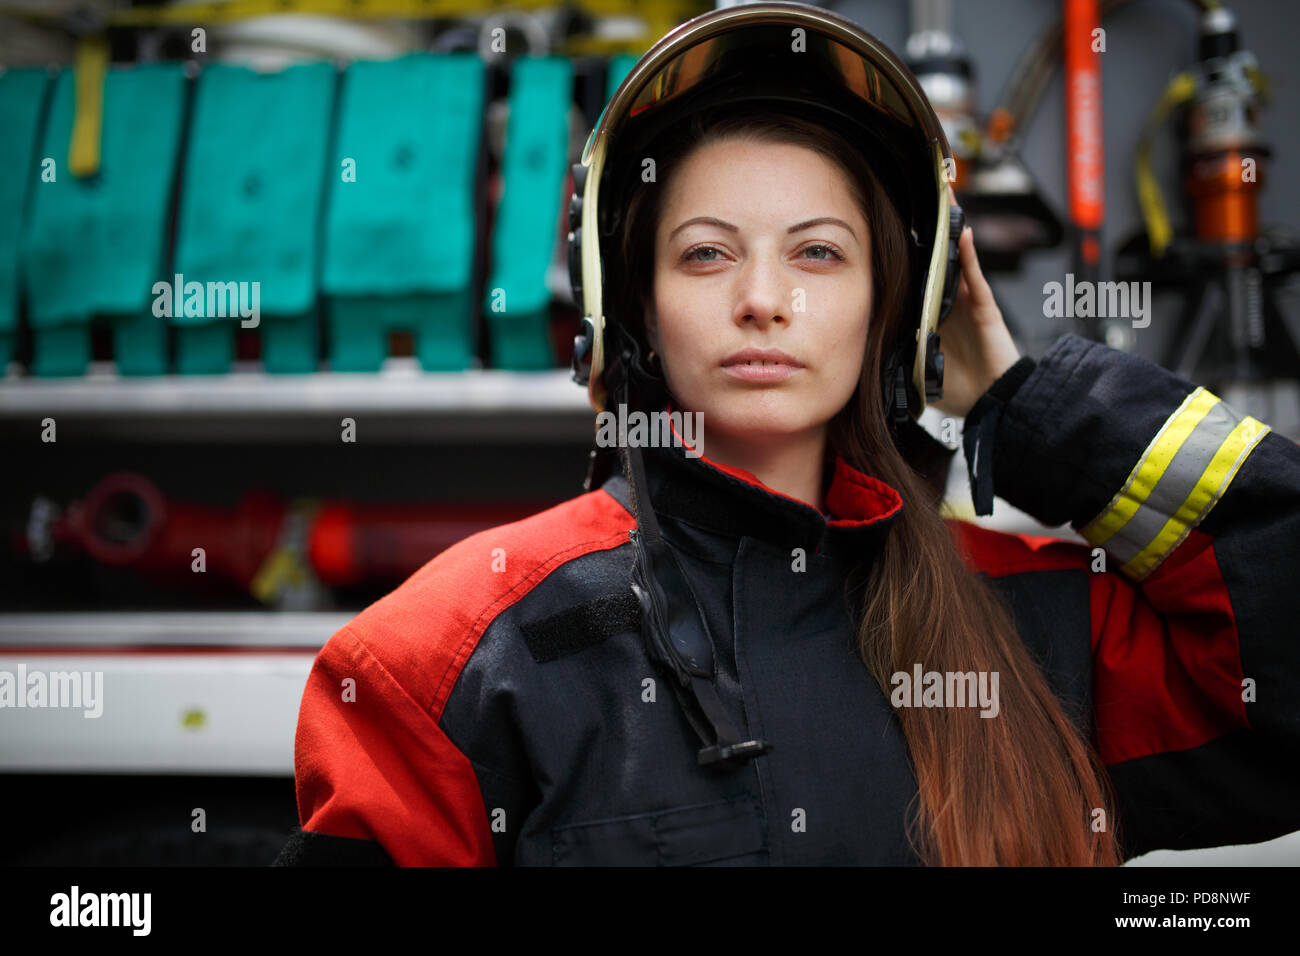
[(760, 373)]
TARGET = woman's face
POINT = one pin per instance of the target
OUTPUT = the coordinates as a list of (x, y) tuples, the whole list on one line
[(784, 263)]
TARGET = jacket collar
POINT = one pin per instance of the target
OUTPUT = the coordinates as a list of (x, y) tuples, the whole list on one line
[(732, 501)]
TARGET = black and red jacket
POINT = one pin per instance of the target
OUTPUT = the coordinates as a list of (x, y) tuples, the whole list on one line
[(499, 706)]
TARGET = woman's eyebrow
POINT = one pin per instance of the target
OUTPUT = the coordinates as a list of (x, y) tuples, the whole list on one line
[(830, 220), (731, 227)]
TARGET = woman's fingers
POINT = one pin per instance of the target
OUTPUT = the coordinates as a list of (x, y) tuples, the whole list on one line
[(981, 294)]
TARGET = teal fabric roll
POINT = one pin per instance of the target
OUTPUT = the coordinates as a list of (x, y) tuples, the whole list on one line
[(22, 96), (412, 126), (400, 228), (524, 236), (251, 209), (97, 245)]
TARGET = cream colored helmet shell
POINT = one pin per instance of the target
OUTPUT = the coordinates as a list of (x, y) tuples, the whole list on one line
[(830, 57)]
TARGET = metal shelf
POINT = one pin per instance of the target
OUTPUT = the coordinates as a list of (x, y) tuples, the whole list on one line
[(400, 402), (180, 629)]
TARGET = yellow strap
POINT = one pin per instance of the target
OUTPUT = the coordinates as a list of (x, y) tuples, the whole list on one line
[(278, 570), (1180, 89), (285, 566), (236, 10), (1260, 82), (88, 117)]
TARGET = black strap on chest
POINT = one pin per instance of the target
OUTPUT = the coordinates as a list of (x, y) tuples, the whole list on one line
[(673, 624)]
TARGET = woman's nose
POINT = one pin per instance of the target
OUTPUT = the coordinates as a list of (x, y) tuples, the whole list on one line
[(761, 293)]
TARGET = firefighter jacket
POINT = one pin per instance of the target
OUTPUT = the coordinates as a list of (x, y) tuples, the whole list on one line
[(499, 707)]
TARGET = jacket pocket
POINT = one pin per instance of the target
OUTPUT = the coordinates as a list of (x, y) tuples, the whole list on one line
[(728, 830)]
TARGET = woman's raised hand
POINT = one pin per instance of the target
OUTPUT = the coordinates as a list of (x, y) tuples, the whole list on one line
[(976, 345)]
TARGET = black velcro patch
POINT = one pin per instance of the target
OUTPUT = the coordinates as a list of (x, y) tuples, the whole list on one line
[(581, 626)]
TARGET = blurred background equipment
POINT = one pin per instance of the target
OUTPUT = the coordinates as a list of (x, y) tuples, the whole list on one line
[(285, 554), (1083, 143), (1226, 268), (1001, 201), (285, 310)]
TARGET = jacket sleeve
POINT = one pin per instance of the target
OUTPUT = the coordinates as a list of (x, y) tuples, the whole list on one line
[(377, 779), (1192, 512)]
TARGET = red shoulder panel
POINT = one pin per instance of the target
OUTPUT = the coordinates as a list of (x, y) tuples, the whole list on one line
[(428, 627), (370, 760)]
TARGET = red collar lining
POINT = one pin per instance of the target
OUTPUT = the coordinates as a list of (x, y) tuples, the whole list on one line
[(855, 499)]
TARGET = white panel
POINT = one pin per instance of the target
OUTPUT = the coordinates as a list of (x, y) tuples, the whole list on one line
[(225, 713)]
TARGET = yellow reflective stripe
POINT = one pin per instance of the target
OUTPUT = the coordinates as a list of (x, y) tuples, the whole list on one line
[(1209, 489), (1150, 467)]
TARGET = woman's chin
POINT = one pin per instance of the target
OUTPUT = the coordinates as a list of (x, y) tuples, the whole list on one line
[(757, 422)]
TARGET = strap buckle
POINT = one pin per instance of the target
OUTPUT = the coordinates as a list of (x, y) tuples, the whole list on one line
[(720, 753)]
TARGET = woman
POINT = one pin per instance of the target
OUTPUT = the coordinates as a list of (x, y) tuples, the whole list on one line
[(811, 665)]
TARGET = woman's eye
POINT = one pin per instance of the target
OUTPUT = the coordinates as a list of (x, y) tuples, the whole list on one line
[(691, 254), (832, 252)]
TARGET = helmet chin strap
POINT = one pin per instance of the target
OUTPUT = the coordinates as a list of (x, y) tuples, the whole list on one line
[(893, 383), (673, 624)]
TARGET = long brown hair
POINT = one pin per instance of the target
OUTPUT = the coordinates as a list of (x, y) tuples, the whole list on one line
[(1021, 788)]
